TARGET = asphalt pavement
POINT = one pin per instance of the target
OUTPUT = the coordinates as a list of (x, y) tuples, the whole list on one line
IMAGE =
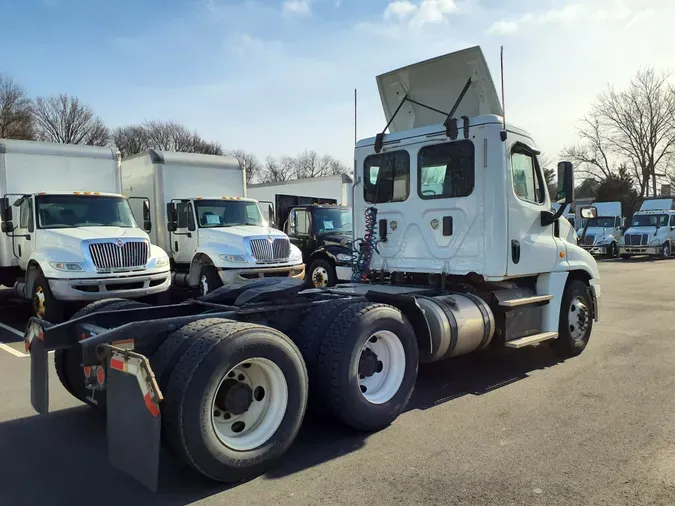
[(512, 428)]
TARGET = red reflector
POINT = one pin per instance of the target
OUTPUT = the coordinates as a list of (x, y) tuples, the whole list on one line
[(87, 371), (100, 376), (116, 364), (152, 407)]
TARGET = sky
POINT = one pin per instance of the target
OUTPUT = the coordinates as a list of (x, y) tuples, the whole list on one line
[(277, 77)]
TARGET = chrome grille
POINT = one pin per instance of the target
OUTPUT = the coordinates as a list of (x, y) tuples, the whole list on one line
[(589, 240), (266, 251), (636, 239), (111, 256)]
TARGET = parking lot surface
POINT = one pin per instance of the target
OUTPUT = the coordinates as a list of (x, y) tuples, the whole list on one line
[(510, 428)]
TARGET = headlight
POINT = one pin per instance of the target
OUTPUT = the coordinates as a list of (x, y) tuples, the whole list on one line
[(233, 258), (343, 257), (67, 266), (162, 262), (296, 254), (654, 242), (602, 242)]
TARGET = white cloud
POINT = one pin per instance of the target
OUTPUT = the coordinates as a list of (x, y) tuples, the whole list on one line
[(400, 9), (296, 8), (503, 28), (419, 14)]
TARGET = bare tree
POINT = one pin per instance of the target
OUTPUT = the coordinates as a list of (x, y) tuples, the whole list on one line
[(15, 118), (254, 168), (164, 135), (310, 164), (634, 128), (64, 119), (283, 169)]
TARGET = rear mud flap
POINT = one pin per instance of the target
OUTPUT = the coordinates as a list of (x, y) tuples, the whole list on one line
[(39, 377), (134, 421)]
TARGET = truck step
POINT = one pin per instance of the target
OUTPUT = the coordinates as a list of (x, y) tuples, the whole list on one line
[(535, 299), (530, 340)]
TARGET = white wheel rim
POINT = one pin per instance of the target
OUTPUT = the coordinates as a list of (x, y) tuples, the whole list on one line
[(666, 251), (204, 284), (380, 386), (266, 384), (320, 278), (578, 318)]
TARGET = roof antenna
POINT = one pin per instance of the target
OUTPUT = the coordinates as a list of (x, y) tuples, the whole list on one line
[(502, 134)]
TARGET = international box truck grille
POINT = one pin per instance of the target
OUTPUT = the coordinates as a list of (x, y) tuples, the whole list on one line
[(108, 256), (266, 251)]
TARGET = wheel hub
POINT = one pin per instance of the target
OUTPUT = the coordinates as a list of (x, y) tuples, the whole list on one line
[(204, 285), (319, 277), (234, 397), (369, 363), (39, 303), (579, 317)]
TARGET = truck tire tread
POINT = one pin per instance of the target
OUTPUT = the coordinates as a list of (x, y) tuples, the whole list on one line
[(204, 338), (338, 347)]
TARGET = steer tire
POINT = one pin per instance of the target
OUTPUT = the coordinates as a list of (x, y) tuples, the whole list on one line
[(309, 338), (68, 361), (566, 346), (189, 399), (339, 358)]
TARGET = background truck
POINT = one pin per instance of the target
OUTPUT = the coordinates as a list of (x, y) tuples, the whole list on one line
[(68, 235), (480, 261), (214, 234), (652, 230), (603, 234), (277, 198)]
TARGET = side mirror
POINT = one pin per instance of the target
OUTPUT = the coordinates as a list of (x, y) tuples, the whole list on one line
[(171, 217), (565, 190), (6, 211), (564, 193), (147, 221), (589, 212)]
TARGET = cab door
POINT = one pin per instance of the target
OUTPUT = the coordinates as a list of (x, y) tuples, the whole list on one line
[(24, 235), (300, 231), (184, 239), (532, 247)]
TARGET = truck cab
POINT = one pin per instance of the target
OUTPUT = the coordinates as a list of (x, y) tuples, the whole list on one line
[(323, 233), (602, 235), (652, 230)]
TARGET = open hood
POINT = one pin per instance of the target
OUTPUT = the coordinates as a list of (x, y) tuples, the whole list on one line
[(438, 83)]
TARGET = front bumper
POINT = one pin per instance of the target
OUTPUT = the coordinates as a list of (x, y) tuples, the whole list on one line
[(89, 289), (239, 276), (641, 250), (343, 273), (597, 250)]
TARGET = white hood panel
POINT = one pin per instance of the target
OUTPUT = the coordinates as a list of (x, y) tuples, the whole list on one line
[(438, 83)]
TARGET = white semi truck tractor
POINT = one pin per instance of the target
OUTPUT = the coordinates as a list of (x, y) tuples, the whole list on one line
[(214, 234), (69, 236), (458, 251), (602, 235)]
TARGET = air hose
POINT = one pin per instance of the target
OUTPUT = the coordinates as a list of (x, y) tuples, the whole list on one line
[(361, 267)]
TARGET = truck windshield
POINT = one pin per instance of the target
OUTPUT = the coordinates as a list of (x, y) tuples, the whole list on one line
[(650, 220), (228, 213), (601, 221), (332, 220), (68, 211)]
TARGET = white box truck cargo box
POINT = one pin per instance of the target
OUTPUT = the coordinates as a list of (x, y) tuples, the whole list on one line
[(337, 187)]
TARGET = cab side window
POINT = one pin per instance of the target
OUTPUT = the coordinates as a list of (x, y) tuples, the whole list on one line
[(186, 218), (527, 181), (386, 177), (26, 215), (672, 220), (299, 222)]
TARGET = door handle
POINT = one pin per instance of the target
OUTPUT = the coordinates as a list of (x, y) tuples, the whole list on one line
[(515, 251), (447, 225)]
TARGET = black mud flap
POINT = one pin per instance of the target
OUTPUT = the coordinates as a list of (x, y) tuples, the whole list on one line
[(134, 421), (39, 377)]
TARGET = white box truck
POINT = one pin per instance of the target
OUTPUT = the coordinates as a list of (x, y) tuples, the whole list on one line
[(335, 189), (213, 233), (479, 261), (602, 234), (652, 230), (68, 233)]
